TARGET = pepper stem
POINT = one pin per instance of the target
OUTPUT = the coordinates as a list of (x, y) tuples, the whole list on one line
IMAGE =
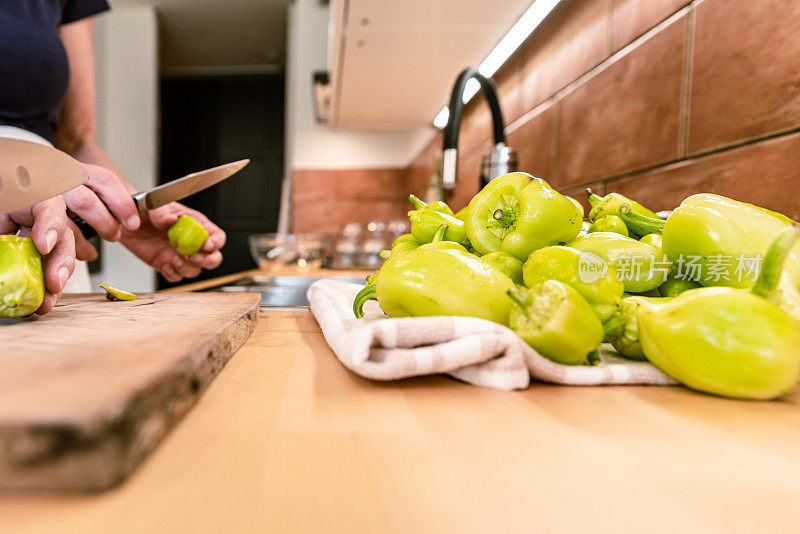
[(639, 224), (772, 266), (385, 254), (418, 204), (594, 200), (503, 217), (439, 235), (519, 297), (614, 326), (368, 293)]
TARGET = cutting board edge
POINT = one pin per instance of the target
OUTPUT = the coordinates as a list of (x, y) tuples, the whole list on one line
[(110, 443)]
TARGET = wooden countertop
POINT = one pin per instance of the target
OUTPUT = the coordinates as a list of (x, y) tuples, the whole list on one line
[(287, 440)]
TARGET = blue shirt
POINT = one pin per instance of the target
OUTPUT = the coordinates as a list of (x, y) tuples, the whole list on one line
[(34, 73)]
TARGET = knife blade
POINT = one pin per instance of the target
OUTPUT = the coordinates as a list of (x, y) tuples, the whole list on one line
[(174, 190), (31, 172)]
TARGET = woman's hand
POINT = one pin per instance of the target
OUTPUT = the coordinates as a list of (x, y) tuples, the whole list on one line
[(46, 224), (151, 244), (104, 203)]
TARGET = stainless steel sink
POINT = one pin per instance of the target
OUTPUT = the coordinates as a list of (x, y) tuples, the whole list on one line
[(280, 291)]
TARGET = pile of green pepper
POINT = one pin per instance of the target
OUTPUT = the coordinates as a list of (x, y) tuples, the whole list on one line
[(668, 291)]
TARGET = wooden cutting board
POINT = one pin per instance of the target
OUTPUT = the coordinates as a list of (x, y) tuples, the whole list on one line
[(87, 391)]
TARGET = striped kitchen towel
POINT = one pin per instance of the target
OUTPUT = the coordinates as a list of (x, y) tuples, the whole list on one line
[(474, 350)]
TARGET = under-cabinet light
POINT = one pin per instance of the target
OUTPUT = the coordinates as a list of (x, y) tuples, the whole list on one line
[(511, 41)]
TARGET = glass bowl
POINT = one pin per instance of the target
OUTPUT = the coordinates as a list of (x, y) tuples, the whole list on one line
[(288, 252)]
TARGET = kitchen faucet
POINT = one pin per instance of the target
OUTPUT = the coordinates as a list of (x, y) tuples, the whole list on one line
[(501, 159)]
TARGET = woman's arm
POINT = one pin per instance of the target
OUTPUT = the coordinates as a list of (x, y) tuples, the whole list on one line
[(76, 135), (77, 124)]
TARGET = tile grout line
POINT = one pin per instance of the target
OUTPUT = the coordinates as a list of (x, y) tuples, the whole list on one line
[(555, 130), (688, 60), (597, 69), (610, 36), (719, 150)]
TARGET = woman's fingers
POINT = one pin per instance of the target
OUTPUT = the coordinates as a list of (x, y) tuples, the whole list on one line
[(104, 203), (108, 186), (59, 264), (7, 225), (48, 303), (216, 236), (163, 263), (165, 216), (49, 223), (85, 203), (206, 260), (170, 274), (185, 269)]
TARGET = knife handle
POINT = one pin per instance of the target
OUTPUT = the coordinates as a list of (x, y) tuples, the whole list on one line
[(88, 230)]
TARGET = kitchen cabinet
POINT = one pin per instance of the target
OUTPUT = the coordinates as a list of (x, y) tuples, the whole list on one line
[(392, 63)]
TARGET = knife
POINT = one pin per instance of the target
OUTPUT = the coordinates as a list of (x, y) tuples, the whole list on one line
[(172, 191), (31, 172)]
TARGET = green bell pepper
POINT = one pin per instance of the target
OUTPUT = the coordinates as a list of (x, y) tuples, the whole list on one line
[(556, 321), (187, 236), (404, 243), (438, 281), (577, 205), (21, 276), (117, 294), (440, 243), (609, 223), (674, 285), (652, 239), (506, 264), (716, 241), (640, 266), (461, 214), (731, 342), (622, 329), (609, 205), (591, 276), (517, 213), (438, 205), (425, 223)]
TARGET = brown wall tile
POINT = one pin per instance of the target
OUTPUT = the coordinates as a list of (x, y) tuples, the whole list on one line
[(509, 88), (533, 142), (746, 71), (632, 18), (627, 116), (765, 173), (313, 184), (372, 183), (572, 40), (323, 200), (384, 210), (325, 216)]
